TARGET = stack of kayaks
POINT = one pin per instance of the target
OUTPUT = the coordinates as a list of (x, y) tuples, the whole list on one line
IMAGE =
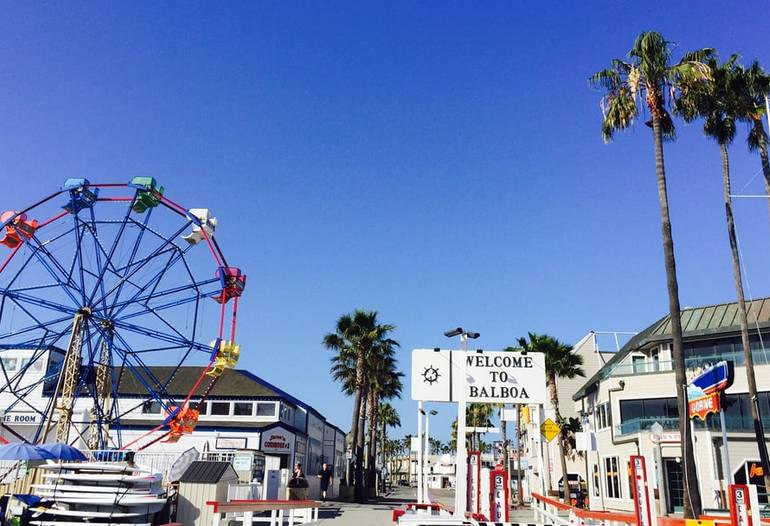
[(97, 493)]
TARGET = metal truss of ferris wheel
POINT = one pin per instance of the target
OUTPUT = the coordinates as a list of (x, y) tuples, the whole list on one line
[(114, 280)]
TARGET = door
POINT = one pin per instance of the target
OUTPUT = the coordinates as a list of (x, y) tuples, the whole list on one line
[(674, 485)]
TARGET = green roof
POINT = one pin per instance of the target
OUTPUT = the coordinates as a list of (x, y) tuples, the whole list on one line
[(697, 322)]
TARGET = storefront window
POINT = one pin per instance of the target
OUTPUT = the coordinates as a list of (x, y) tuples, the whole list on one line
[(9, 364), (151, 407)]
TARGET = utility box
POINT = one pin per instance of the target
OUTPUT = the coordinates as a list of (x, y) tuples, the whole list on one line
[(203, 482)]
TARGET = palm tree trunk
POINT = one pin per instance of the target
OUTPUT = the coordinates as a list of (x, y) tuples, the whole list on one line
[(562, 435), (692, 500), (383, 441), (762, 147), (747, 355), (354, 432), (359, 424), (370, 461)]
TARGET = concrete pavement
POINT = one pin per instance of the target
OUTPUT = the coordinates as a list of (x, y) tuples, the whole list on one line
[(379, 513)]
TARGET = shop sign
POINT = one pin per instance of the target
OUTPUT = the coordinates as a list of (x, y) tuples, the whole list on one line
[(22, 418), (701, 407), (490, 377), (231, 442), (277, 441), (243, 462)]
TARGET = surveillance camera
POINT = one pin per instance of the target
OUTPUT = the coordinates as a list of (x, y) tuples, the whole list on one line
[(453, 332), (622, 384), (472, 335)]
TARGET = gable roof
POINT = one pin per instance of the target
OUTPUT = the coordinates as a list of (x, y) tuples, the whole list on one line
[(203, 471), (697, 322), (232, 383)]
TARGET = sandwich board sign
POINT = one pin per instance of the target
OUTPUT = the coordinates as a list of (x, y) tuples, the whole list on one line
[(744, 505), (490, 377)]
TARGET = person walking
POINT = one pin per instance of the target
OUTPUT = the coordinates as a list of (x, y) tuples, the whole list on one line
[(326, 477), (298, 473)]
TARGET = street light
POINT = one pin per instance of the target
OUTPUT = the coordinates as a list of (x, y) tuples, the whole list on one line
[(461, 468)]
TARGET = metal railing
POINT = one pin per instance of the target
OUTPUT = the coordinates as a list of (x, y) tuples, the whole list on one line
[(761, 357)]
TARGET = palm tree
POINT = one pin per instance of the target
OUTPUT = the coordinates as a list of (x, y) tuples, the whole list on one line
[(756, 86), (478, 415), (560, 362), (384, 383), (355, 335), (387, 416), (650, 76), (720, 104)]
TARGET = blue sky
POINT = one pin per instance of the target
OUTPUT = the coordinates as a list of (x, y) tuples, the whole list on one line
[(440, 162)]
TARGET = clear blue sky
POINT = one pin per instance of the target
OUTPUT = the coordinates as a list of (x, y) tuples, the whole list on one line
[(440, 162)]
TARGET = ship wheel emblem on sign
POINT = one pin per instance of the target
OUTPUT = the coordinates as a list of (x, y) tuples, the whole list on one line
[(430, 375)]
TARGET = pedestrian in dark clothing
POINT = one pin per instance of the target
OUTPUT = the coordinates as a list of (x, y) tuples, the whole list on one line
[(326, 477)]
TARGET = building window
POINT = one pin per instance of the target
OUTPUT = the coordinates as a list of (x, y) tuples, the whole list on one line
[(200, 406), (35, 366), (265, 409), (596, 480), (151, 407), (9, 364), (243, 408), (220, 408), (612, 477), (639, 364), (286, 413), (603, 416)]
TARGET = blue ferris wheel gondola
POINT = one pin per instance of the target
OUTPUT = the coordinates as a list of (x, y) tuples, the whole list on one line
[(101, 305)]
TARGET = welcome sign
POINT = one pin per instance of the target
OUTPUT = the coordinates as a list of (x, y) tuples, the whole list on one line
[(490, 377)]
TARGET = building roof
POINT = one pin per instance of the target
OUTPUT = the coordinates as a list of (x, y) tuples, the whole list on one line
[(205, 472), (232, 383), (697, 322)]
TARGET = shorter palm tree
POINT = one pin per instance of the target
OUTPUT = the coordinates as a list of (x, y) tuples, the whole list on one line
[(387, 416), (560, 362)]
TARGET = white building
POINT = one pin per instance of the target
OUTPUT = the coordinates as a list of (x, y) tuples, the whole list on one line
[(636, 389), (242, 413)]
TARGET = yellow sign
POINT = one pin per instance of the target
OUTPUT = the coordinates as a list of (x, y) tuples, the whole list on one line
[(549, 429), (695, 522)]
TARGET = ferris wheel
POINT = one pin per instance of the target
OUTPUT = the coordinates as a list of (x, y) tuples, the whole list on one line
[(107, 292)]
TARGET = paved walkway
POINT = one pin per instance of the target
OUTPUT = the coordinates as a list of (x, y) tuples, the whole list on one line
[(379, 513)]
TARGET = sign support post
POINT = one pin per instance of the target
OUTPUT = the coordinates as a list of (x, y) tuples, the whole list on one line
[(461, 456), (643, 503), (419, 453)]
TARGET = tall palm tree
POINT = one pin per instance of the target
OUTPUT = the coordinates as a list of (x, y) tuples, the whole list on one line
[(560, 362), (387, 416), (650, 76), (355, 335), (720, 104), (756, 86)]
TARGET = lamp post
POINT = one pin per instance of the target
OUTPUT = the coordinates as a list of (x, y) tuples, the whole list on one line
[(656, 431), (461, 468)]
